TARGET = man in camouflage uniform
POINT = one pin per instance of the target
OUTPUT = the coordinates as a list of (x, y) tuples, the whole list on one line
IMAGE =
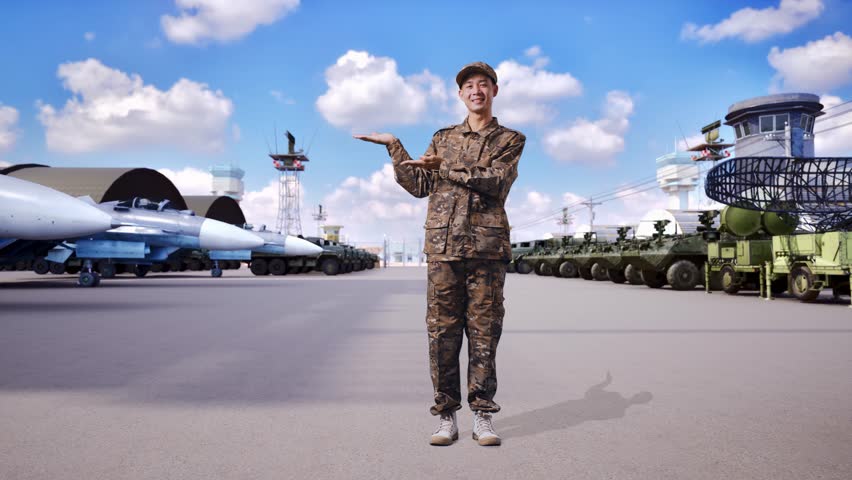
[(466, 173)]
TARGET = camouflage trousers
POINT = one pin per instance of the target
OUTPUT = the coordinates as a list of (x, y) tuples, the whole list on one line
[(464, 297)]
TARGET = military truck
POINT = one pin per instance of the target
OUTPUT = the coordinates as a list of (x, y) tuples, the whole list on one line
[(335, 258)]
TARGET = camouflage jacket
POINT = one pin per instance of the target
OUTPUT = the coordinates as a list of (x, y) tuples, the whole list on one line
[(466, 216)]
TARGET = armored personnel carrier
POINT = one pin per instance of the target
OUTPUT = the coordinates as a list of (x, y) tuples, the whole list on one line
[(615, 263), (519, 263), (335, 258), (539, 259)]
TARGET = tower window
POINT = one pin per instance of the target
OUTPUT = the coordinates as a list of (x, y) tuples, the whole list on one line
[(807, 123), (774, 123)]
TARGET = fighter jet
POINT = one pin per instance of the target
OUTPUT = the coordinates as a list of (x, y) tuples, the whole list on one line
[(148, 232), (29, 211)]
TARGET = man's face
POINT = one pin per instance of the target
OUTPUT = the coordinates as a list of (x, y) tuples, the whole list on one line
[(477, 93)]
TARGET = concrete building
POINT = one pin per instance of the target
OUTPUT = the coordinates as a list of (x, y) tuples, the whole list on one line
[(227, 181), (677, 175)]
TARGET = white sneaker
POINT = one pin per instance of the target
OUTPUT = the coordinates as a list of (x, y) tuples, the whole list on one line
[(483, 431), (447, 431)]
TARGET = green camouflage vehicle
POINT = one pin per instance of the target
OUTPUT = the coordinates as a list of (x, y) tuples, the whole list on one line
[(587, 259), (335, 258), (519, 253), (544, 252), (677, 260), (615, 263)]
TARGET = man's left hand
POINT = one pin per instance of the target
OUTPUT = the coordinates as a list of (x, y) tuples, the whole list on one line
[(426, 162)]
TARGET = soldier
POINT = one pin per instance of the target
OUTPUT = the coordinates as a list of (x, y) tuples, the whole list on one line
[(466, 173)]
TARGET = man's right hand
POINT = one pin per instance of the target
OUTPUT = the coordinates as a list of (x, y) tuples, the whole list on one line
[(380, 138)]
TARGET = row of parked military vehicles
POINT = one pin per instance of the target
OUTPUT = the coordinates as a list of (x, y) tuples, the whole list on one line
[(742, 250), (336, 258)]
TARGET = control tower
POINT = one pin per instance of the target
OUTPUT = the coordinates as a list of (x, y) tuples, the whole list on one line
[(289, 166), (677, 175), (228, 181), (779, 125)]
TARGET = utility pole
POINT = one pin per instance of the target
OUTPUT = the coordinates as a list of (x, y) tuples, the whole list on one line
[(591, 204), (319, 216), (565, 221)]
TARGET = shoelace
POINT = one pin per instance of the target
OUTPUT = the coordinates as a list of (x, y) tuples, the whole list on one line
[(483, 424), (446, 424)]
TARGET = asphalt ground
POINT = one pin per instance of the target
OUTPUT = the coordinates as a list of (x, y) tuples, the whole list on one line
[(179, 376)]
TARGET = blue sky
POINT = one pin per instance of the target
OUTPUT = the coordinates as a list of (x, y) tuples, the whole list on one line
[(600, 89)]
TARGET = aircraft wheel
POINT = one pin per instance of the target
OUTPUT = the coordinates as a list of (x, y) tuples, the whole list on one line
[(331, 266), (216, 272), (57, 268), (682, 275), (277, 266), (801, 281), (40, 266), (88, 279)]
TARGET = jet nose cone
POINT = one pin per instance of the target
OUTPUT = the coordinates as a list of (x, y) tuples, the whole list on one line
[(35, 212), (216, 235), (299, 247)]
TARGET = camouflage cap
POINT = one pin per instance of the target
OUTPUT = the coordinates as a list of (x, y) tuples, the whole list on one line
[(475, 67)]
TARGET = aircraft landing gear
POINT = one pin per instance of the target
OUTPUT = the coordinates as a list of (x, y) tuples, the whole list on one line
[(88, 278), (216, 271)]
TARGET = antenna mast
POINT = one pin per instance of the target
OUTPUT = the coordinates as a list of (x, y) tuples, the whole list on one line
[(289, 165)]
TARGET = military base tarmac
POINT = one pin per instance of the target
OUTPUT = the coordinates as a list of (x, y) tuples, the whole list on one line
[(182, 375)]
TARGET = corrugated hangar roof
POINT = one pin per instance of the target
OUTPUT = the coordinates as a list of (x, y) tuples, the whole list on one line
[(222, 208), (102, 184)]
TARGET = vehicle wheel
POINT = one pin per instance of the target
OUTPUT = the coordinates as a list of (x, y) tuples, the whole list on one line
[(616, 275), (524, 267), (801, 281), (653, 278), (259, 266), (543, 269), (236, 265), (174, 265), (586, 273), (730, 280), (510, 268), (57, 268), (682, 275), (567, 270), (107, 269), (40, 266), (778, 286), (371, 265), (157, 267), (277, 266), (141, 270), (21, 265), (330, 266), (194, 265), (633, 275), (88, 279), (598, 272), (216, 272)]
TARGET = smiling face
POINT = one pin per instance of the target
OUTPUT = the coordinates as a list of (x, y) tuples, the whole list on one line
[(478, 92)]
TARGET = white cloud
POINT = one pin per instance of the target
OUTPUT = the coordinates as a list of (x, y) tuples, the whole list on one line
[(281, 98), (527, 92), (190, 181), (4, 164), (369, 207), (89, 36), (220, 20), (365, 91), (8, 132), (818, 66), (837, 141), (593, 142), (753, 25), (110, 109)]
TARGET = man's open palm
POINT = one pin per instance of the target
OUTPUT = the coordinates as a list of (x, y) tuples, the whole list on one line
[(380, 138)]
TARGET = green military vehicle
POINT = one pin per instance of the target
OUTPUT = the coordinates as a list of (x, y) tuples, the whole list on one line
[(519, 262), (335, 258), (618, 270), (676, 260), (587, 258), (761, 251), (538, 260)]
